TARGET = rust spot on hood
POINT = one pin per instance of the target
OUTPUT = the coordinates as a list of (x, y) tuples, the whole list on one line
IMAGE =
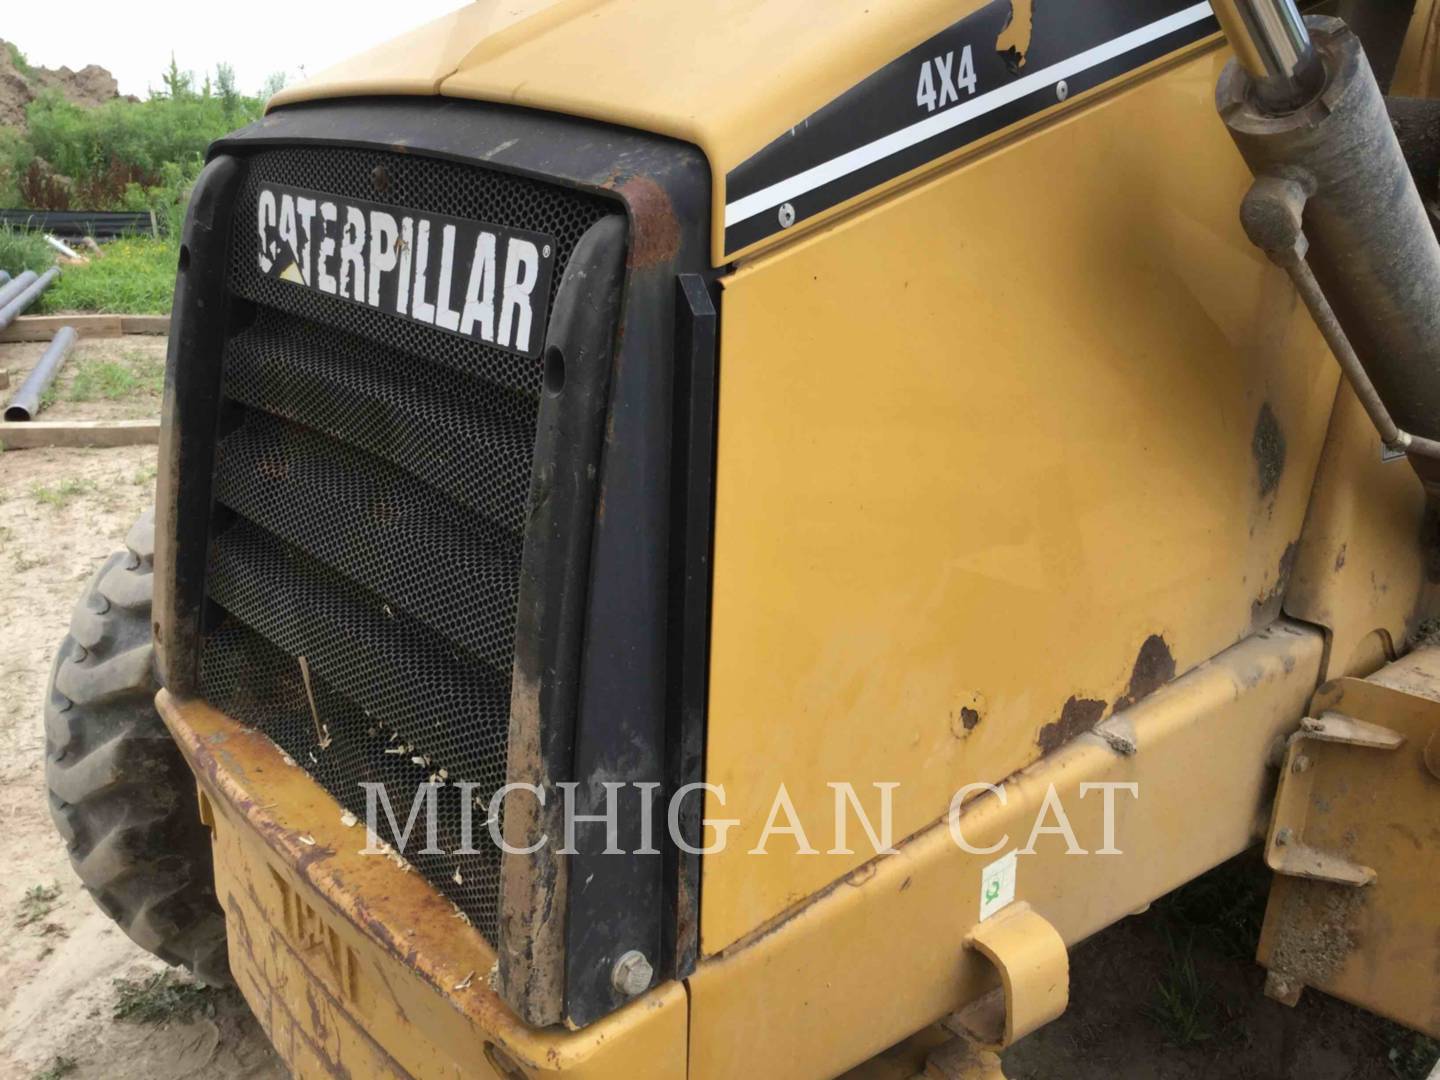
[(655, 229), (1077, 717)]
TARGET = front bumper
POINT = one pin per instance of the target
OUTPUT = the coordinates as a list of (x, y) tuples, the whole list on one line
[(354, 965)]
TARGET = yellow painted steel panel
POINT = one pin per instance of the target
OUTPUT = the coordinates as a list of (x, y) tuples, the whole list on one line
[(883, 955), (977, 446)]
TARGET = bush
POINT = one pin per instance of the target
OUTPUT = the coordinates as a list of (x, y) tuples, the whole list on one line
[(21, 250), (123, 154)]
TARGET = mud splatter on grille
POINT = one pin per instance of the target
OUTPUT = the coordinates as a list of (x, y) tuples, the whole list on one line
[(370, 493)]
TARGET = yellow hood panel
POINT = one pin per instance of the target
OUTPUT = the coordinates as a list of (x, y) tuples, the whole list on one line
[(726, 75)]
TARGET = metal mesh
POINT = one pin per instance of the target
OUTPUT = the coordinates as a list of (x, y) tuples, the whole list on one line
[(371, 492)]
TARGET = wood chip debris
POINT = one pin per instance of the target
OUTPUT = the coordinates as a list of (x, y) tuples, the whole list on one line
[(307, 840), (464, 984), (349, 820)]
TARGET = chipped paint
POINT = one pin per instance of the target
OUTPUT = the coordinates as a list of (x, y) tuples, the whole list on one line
[(1014, 41), (1078, 716), (1154, 667)]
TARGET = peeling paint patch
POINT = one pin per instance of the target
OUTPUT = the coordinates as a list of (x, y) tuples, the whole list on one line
[(1154, 667), (970, 718), (1340, 557), (1268, 447), (1077, 717), (1014, 41), (1265, 608)]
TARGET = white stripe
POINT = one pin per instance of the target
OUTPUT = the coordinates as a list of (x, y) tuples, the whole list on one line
[(854, 160)]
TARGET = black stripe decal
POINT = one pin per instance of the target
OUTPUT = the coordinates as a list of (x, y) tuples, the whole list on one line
[(980, 75)]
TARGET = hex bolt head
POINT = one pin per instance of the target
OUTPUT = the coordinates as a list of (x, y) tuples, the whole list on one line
[(632, 974), (1282, 837), (1302, 764)]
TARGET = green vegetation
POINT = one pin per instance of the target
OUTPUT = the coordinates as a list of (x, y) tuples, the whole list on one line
[(20, 250), (18, 58), (135, 276), (1183, 1006), (163, 998), (123, 155), (136, 373), (39, 901), (60, 496), (60, 1067)]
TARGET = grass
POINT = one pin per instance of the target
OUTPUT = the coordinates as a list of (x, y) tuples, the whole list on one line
[(1183, 1006), (163, 998), (22, 250), (61, 494), (134, 276), (38, 902), (61, 1066), (136, 373)]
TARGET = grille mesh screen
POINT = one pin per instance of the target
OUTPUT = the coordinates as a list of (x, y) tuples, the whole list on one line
[(370, 499)]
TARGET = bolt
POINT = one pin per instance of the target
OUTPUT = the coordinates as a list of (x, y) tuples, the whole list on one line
[(1302, 764), (787, 215), (632, 974), (1282, 837), (1062, 90)]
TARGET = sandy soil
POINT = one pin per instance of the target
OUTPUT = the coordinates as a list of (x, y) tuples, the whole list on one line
[(61, 513)]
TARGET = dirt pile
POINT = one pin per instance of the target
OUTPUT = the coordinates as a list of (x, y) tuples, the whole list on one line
[(20, 83)]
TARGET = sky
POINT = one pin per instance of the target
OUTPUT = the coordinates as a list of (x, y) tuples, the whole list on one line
[(255, 37)]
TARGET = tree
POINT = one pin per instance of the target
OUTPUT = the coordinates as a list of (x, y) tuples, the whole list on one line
[(273, 85), (178, 84), (225, 90)]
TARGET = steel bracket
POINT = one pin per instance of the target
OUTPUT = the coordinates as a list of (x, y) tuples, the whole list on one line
[(1034, 968), (1285, 851)]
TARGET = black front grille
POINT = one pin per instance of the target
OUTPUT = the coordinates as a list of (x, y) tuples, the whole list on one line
[(370, 498)]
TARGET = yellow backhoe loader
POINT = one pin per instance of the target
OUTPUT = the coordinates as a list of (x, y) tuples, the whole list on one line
[(721, 540)]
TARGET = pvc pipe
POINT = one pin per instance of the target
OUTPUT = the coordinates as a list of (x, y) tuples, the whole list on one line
[(26, 402), (12, 310), (9, 291), (4, 277)]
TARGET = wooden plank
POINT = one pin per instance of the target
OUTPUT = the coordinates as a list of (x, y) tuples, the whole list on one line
[(43, 327), (35, 434), (145, 324)]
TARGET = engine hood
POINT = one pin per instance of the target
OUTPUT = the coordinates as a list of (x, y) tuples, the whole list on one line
[(780, 95)]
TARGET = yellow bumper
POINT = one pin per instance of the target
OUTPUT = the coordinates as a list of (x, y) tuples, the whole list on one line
[(353, 964)]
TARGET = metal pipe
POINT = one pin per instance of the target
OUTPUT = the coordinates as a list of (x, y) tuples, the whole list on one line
[(4, 277), (1270, 41), (12, 310), (14, 288), (26, 402)]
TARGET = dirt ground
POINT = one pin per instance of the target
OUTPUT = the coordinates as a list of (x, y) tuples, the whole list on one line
[(1171, 994), (61, 513)]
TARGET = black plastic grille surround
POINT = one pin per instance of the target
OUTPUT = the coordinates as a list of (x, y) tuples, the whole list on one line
[(370, 496)]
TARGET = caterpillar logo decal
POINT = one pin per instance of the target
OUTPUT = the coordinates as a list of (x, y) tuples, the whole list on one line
[(484, 282), (1007, 61)]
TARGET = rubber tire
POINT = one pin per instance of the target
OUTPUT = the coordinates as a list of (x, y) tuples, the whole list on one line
[(120, 793)]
